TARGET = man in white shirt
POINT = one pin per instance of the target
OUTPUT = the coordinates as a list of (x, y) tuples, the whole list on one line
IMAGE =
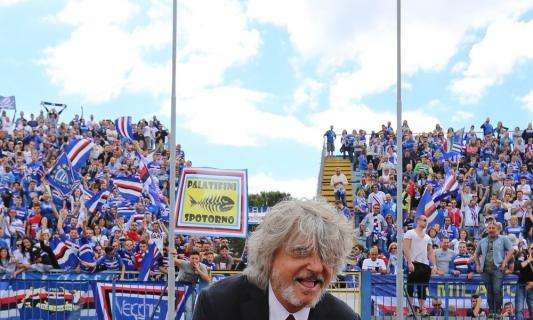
[(418, 251), (338, 182), (373, 264), (375, 197)]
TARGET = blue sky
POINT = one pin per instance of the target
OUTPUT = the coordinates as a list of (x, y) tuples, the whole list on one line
[(260, 81)]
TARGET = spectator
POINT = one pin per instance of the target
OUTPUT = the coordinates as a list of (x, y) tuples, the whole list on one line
[(418, 253), (360, 206), (192, 272), (392, 263), (223, 260), (475, 310), (437, 310), (443, 257), (373, 264), (523, 265), (374, 225), (462, 262), (508, 310), (342, 209), (491, 258), (330, 141), (338, 182)]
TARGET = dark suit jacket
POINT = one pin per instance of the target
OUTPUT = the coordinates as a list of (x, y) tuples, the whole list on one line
[(235, 298)]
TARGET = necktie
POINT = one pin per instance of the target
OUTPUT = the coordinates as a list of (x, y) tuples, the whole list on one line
[(290, 317)]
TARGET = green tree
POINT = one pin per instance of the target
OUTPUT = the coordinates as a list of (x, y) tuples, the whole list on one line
[(267, 198), (262, 199)]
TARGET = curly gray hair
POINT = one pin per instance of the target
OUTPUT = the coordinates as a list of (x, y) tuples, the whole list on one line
[(323, 228)]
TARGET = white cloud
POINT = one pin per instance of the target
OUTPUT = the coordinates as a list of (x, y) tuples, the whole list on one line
[(461, 116), (306, 95), (505, 45), (228, 115), (104, 56), (298, 188), (527, 100), (362, 34), (5, 3), (459, 67)]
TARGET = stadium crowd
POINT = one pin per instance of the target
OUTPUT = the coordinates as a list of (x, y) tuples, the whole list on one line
[(475, 179), (87, 229)]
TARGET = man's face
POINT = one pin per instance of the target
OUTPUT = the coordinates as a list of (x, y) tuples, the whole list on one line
[(463, 249), (373, 255), (492, 230), (298, 276), (194, 259), (224, 253), (445, 244), (422, 221), (375, 209)]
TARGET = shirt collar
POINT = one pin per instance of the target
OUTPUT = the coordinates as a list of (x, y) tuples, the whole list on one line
[(277, 311)]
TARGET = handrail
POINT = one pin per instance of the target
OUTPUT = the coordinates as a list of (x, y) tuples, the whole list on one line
[(321, 170)]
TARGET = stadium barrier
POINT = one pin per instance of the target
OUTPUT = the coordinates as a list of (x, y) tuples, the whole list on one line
[(80, 296), (454, 293)]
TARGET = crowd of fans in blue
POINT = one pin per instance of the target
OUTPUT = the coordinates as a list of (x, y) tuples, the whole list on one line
[(41, 230), (492, 172)]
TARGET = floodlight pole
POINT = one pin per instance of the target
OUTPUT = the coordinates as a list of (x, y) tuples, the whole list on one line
[(399, 167), (172, 188)]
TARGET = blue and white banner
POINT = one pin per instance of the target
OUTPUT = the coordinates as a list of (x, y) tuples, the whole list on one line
[(78, 151), (130, 188), (257, 214), (124, 128), (61, 176), (43, 299), (458, 290), (8, 102), (137, 300)]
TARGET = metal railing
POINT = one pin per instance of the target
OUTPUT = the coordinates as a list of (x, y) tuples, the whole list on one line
[(321, 170)]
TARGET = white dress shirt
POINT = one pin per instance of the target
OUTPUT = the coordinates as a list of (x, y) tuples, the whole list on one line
[(276, 311)]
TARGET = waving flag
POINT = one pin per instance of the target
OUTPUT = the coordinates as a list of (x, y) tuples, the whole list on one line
[(93, 203), (86, 255), (87, 194), (427, 207), (51, 104), (144, 174), (61, 176), (450, 185), (65, 253), (7, 102), (148, 260), (457, 141), (78, 151), (123, 126), (129, 187)]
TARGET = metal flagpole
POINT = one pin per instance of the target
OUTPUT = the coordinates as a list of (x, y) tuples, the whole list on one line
[(172, 189), (399, 168)]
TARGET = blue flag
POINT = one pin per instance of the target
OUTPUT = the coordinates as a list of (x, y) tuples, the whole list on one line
[(65, 253), (7, 102), (61, 176), (427, 207), (150, 257), (458, 141)]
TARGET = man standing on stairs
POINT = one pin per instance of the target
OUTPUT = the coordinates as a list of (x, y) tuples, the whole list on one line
[(338, 182), (330, 141)]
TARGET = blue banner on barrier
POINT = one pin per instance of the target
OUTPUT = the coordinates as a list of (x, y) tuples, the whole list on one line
[(136, 300), (457, 289), (85, 297)]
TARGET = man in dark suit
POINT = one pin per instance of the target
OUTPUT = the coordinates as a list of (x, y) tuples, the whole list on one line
[(292, 257)]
